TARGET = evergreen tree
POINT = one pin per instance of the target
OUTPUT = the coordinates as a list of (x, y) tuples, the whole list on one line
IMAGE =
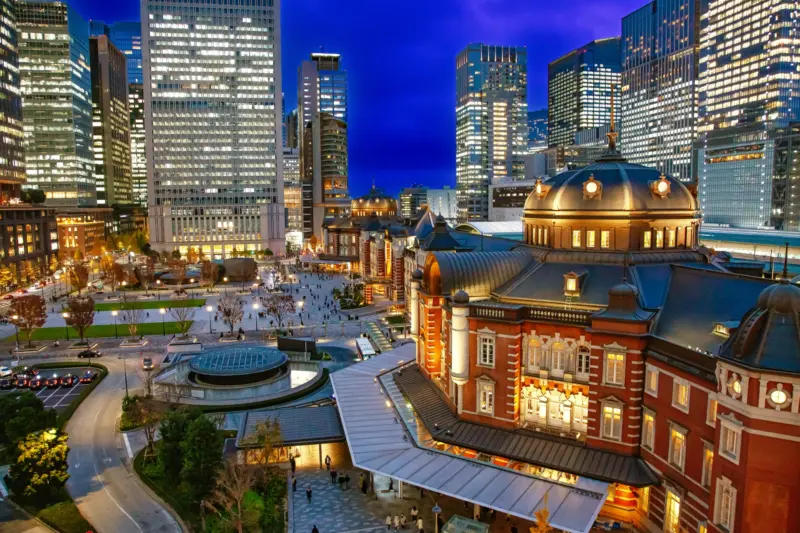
[(202, 457)]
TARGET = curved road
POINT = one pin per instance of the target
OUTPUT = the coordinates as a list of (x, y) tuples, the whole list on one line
[(102, 481)]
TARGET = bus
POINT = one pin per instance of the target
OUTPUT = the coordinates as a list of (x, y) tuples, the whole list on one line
[(365, 349)]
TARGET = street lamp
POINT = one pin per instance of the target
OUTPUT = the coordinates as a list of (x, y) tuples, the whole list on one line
[(16, 327), (225, 279), (255, 308), (66, 327), (209, 309), (163, 327), (436, 510), (125, 369), (158, 286), (114, 314)]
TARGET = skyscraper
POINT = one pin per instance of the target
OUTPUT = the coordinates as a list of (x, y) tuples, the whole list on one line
[(491, 122), (138, 143), (111, 123), (127, 36), (292, 192), (12, 155), (579, 89), (322, 117), (748, 91), (291, 129), (213, 122), (56, 102), (537, 129), (660, 54)]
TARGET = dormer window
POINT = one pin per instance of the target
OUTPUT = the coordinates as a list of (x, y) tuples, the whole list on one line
[(592, 188), (572, 284), (661, 187), (722, 330)]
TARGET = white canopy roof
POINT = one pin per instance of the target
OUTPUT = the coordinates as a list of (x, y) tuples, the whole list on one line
[(379, 442)]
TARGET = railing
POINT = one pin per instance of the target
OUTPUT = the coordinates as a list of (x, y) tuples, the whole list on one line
[(543, 314)]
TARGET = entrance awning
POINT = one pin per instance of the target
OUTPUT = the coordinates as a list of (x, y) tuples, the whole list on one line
[(380, 442)]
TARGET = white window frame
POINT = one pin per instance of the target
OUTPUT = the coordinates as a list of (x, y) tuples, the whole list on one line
[(648, 438), (485, 386), (586, 352), (614, 432), (651, 371), (535, 354), (488, 339), (605, 239), (677, 383), (711, 411), (730, 430), (708, 465), (678, 461), (606, 366), (667, 526), (722, 517), (644, 500)]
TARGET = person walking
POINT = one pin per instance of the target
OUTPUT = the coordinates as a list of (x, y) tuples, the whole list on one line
[(402, 520), (414, 513), (333, 476), (314, 529), (419, 525), (294, 484), (328, 462), (388, 523), (396, 522), (308, 493), (293, 464)]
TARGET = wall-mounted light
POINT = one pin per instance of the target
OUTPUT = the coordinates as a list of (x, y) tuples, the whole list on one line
[(592, 188)]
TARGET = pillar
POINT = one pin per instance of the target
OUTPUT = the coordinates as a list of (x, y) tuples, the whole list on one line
[(459, 345), (416, 279)]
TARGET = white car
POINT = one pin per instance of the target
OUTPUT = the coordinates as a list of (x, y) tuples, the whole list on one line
[(4, 371)]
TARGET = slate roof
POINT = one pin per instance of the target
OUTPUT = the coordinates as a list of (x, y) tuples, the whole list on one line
[(478, 273), (299, 425), (522, 445)]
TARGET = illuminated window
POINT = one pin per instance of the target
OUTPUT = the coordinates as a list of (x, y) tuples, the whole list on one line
[(648, 239), (584, 359), (681, 391), (673, 513), (659, 238), (725, 503), (708, 463), (486, 397), (612, 422), (644, 499), (671, 238), (648, 430), (572, 284), (711, 412), (615, 369), (677, 447), (730, 440), (651, 381), (605, 239), (590, 239), (576, 238)]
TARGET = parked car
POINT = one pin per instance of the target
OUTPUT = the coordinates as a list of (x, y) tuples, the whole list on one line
[(6, 383), (88, 354), (22, 381), (147, 363), (4, 371), (88, 376), (8, 297), (53, 381), (68, 380), (35, 383)]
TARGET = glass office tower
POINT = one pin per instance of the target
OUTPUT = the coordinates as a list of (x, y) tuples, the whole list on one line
[(579, 88), (660, 54), (138, 143), (213, 124), (491, 122), (56, 102), (12, 155), (127, 36), (537, 129), (748, 102)]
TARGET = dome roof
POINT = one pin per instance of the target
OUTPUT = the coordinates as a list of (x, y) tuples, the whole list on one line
[(782, 298), (461, 297), (620, 186), (374, 199)]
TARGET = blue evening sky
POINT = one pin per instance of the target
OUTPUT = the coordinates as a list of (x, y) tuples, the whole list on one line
[(400, 58)]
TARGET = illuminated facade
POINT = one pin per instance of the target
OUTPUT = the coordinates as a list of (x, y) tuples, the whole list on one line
[(660, 54), (537, 129), (127, 36), (292, 192), (83, 230), (12, 156), (747, 89), (212, 118), (56, 102), (138, 143), (322, 122), (491, 122), (579, 86), (412, 199), (111, 123)]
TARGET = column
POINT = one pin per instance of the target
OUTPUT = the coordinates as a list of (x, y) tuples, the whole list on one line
[(416, 278), (459, 345)]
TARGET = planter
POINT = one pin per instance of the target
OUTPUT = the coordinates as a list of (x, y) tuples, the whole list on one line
[(28, 349), (188, 345), (231, 339), (133, 343), (147, 297), (113, 298)]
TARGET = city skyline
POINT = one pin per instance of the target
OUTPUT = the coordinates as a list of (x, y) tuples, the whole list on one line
[(423, 132)]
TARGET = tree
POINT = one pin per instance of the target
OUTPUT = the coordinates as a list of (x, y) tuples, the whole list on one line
[(28, 313), (27, 272), (132, 317), (191, 256), (313, 242), (184, 316), (81, 314), (232, 484), (53, 263), (99, 248), (202, 456), (146, 275), (178, 269), (78, 276), (278, 307), (117, 275), (107, 267), (172, 430), (269, 439), (147, 413), (148, 378), (542, 524), (6, 276), (77, 256), (268, 252), (232, 310), (40, 468), (210, 272), (176, 254), (22, 413)]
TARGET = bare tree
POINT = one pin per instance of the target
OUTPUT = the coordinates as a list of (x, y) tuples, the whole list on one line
[(28, 313), (184, 316), (81, 314), (147, 377), (232, 310), (146, 275), (132, 317), (227, 499), (210, 272), (147, 413), (278, 307), (178, 269)]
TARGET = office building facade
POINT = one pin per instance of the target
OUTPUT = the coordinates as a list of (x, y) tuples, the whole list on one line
[(12, 154), (491, 122), (111, 123), (56, 102), (660, 62), (412, 199), (444, 202), (138, 143), (747, 103), (127, 36), (213, 149), (292, 190), (322, 128), (579, 88), (537, 129), (291, 129)]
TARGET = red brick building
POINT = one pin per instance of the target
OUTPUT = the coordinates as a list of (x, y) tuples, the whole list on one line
[(611, 346)]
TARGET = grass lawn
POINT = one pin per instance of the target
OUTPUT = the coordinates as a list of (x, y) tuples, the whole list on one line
[(95, 332), (62, 516), (149, 304), (396, 320)]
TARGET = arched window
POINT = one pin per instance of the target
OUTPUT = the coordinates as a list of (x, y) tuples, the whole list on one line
[(559, 358), (535, 354), (583, 361)]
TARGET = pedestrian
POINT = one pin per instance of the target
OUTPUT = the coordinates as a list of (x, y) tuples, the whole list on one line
[(308, 493), (346, 480), (363, 484), (396, 522), (328, 462), (314, 529), (419, 525), (391, 484), (388, 523), (293, 464), (402, 520), (414, 513), (333, 476), (294, 484)]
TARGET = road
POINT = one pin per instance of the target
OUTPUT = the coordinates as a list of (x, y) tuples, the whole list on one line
[(102, 481)]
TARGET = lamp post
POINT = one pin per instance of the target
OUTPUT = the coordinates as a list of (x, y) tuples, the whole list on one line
[(209, 309), (158, 286), (114, 314), (255, 309), (436, 510), (225, 279), (163, 327), (16, 327), (125, 369), (66, 327)]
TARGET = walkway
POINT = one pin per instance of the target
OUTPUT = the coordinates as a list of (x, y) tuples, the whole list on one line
[(377, 337)]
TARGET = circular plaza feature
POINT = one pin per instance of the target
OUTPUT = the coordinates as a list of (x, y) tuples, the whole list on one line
[(238, 365)]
